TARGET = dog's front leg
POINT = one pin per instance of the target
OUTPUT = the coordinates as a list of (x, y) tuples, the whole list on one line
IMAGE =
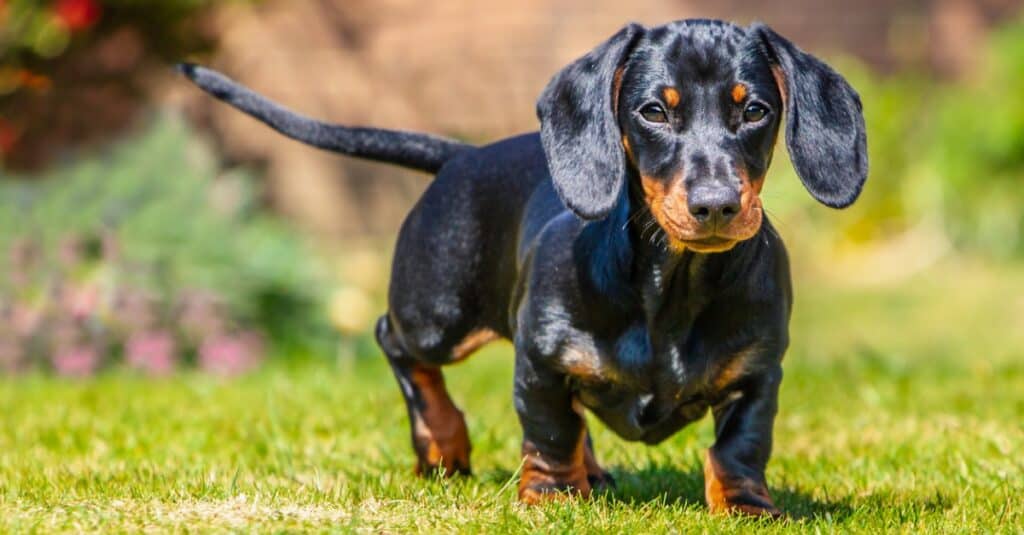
[(734, 468), (554, 434)]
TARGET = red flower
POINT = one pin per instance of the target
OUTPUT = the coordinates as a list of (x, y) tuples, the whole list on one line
[(77, 14)]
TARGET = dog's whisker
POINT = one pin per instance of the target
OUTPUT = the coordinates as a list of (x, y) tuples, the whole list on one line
[(634, 217), (775, 220), (647, 226)]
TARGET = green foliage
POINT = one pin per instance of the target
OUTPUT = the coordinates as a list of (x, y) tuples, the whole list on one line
[(978, 149), (179, 227), (948, 156)]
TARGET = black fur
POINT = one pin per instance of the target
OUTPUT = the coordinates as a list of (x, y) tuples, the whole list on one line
[(619, 293), (825, 131), (579, 130), (408, 149)]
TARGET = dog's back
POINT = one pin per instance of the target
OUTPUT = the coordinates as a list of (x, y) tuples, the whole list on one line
[(456, 260)]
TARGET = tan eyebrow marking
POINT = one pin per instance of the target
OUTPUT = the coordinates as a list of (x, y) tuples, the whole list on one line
[(739, 92), (671, 96)]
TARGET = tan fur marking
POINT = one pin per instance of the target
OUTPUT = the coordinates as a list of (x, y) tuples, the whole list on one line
[(714, 491), (780, 82), (739, 92), (541, 476), (671, 95), (721, 492), (441, 437), (590, 462), (616, 88), (584, 364), (473, 341), (735, 368), (670, 211)]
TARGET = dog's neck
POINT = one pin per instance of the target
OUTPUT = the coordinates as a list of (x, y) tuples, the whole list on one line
[(628, 259)]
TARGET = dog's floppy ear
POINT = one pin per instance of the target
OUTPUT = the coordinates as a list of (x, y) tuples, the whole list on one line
[(824, 124), (579, 131)]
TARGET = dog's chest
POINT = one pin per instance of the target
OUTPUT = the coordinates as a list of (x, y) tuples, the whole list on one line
[(640, 389)]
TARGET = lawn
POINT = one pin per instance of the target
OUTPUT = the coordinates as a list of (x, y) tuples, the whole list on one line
[(902, 410)]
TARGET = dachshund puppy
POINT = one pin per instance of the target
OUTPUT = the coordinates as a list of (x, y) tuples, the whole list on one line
[(623, 249)]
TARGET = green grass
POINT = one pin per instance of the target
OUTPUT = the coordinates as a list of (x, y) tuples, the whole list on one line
[(902, 410)]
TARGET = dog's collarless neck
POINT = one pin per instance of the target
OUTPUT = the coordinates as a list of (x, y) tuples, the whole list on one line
[(634, 270)]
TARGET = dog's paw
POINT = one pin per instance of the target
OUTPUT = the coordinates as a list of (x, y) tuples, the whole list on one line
[(735, 495), (543, 480), (443, 448), (748, 506), (446, 459), (538, 493), (444, 468)]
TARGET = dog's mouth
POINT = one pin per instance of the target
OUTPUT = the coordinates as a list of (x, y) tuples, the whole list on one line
[(711, 244), (703, 242), (685, 232)]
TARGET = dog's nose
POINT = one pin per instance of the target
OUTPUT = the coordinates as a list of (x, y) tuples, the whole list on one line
[(714, 207)]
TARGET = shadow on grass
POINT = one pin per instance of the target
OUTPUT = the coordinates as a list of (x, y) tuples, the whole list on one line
[(685, 486), (671, 485)]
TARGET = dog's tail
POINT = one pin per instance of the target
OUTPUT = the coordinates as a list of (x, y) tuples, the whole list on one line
[(407, 149)]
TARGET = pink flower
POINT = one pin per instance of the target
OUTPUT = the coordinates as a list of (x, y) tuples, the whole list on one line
[(80, 301), (231, 354), (152, 352), (80, 360)]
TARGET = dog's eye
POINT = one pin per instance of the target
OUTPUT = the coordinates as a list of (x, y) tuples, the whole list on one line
[(754, 112), (654, 113)]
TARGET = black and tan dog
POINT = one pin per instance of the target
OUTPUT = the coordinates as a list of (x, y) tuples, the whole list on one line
[(623, 249)]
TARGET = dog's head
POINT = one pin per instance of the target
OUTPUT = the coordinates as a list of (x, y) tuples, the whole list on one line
[(688, 114)]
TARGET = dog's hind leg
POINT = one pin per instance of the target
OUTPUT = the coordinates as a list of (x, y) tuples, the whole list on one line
[(439, 434)]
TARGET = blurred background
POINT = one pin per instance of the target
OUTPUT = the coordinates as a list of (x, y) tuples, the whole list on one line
[(144, 225)]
